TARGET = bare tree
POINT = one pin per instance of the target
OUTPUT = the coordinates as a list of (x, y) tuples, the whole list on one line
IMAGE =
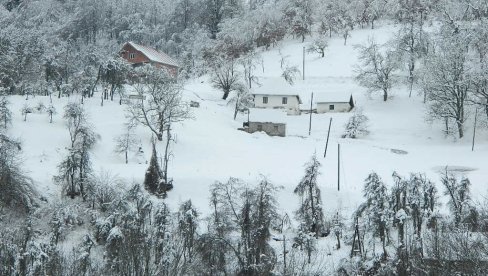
[(51, 110), (26, 109), (375, 71), (224, 74), (446, 83), (318, 45), (126, 142)]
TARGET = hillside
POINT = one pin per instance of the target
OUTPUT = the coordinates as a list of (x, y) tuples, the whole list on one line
[(209, 147)]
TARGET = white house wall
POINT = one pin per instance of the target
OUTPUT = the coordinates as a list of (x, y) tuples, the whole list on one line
[(338, 107), (292, 106)]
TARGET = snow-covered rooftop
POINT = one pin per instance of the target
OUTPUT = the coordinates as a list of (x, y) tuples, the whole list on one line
[(267, 115), (332, 97), (154, 55), (324, 89), (274, 86)]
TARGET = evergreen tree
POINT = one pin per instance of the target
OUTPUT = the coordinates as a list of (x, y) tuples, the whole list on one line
[(5, 113), (377, 208), (310, 213), (357, 125), (153, 174)]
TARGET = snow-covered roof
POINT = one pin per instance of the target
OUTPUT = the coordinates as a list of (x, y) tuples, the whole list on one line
[(153, 54), (262, 115), (274, 86), (324, 89), (332, 97)]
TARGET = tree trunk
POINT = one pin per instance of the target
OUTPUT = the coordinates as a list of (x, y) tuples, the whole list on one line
[(166, 155), (339, 241), (226, 94), (385, 95), (460, 129)]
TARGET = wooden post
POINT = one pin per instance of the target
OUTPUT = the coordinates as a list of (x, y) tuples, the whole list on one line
[(474, 128), (327, 142), (303, 65), (284, 255), (338, 167), (310, 122)]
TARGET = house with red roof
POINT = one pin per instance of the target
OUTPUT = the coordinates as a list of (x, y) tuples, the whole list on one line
[(137, 55)]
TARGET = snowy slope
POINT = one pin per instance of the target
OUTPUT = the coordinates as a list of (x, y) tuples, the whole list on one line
[(209, 147)]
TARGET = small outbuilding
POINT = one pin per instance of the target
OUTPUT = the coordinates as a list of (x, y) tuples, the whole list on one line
[(334, 102), (272, 122)]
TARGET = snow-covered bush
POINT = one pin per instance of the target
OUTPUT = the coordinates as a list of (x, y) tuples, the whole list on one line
[(26, 109), (357, 125)]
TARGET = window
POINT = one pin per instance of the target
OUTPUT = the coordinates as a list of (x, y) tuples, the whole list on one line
[(275, 128), (284, 100), (331, 107), (132, 55), (260, 127), (265, 100)]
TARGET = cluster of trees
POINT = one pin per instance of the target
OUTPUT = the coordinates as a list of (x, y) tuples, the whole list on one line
[(447, 64), (425, 239), (126, 232)]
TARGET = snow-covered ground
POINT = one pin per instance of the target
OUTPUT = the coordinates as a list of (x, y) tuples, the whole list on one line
[(209, 147)]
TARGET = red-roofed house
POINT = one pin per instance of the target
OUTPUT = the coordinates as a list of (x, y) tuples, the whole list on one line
[(138, 54)]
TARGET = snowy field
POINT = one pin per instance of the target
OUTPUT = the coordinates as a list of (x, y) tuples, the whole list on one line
[(209, 147)]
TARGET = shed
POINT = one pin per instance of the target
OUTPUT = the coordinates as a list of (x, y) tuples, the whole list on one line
[(334, 102), (272, 122)]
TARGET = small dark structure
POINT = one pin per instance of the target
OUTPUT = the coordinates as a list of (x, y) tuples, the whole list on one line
[(272, 129), (272, 122)]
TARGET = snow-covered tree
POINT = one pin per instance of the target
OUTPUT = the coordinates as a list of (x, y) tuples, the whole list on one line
[(75, 168), (290, 73), (51, 110), (318, 45), (16, 188), (376, 208), (298, 16), (26, 109), (187, 228), (310, 213), (446, 82), (5, 113), (411, 39), (225, 75), (357, 126), (126, 142), (153, 180), (242, 100), (459, 195), (163, 106), (376, 68)]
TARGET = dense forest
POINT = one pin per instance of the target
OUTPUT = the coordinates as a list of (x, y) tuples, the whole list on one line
[(59, 48)]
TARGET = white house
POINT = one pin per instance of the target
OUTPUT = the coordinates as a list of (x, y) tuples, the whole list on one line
[(276, 93), (334, 102)]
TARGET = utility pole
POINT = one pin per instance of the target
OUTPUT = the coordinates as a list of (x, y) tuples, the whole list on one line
[(474, 128), (310, 121), (303, 65), (327, 142), (338, 167)]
